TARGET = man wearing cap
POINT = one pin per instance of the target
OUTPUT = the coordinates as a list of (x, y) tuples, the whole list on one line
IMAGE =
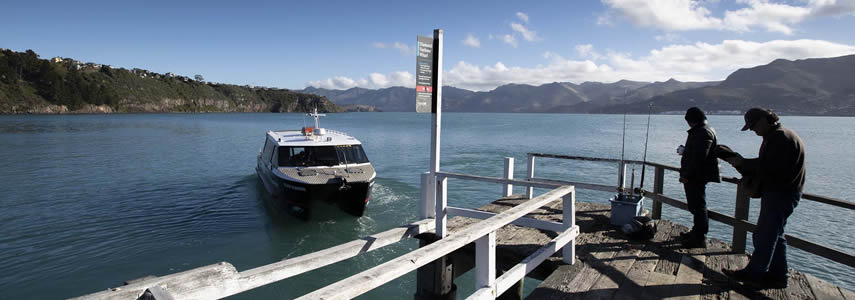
[(697, 167), (780, 168)]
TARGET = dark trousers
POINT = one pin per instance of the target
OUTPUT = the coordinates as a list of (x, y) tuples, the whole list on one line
[(770, 246), (696, 198)]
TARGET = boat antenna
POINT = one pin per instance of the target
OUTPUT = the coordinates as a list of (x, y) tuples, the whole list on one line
[(315, 115), (622, 144), (646, 138)]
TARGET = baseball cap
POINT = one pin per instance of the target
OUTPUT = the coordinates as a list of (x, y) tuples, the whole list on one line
[(753, 115)]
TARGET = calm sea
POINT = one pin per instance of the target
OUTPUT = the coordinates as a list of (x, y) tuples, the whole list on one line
[(89, 201)]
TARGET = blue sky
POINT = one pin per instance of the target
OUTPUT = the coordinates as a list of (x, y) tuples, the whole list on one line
[(371, 44)]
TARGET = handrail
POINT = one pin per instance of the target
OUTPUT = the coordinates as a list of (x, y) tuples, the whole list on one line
[(739, 222), (734, 180), (223, 280), (367, 280)]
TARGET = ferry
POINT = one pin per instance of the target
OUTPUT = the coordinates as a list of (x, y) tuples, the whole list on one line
[(314, 169)]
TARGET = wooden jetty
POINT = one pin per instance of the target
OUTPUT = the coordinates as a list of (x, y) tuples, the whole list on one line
[(611, 266), (570, 246)]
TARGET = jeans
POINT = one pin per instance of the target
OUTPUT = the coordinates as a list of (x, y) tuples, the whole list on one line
[(770, 246), (696, 199)]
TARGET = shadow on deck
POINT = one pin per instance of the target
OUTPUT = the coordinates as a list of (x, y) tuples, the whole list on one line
[(609, 266)]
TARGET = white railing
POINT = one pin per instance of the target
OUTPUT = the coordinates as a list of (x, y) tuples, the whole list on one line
[(223, 280)]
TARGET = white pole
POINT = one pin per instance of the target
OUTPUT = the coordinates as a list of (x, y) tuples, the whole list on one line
[(569, 220), (530, 189), (436, 129), (427, 205), (485, 261), (508, 189)]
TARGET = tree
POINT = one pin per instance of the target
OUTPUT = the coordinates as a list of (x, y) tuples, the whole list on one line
[(199, 77)]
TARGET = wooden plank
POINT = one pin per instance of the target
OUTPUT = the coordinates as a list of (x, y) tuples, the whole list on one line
[(822, 290), (595, 259), (637, 276), (716, 282), (737, 262), (847, 294), (509, 278), (689, 277), (560, 283), (669, 260), (613, 275)]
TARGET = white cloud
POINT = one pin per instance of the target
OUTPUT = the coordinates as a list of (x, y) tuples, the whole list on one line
[(472, 41), (665, 14), (668, 37), (528, 35), (522, 16), (773, 17), (684, 15), (587, 51), (509, 39), (404, 48), (374, 81), (832, 7), (379, 45), (685, 62)]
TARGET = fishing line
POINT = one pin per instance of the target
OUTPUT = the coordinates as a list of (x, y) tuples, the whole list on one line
[(646, 138)]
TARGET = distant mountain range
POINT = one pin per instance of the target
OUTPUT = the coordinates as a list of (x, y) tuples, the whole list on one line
[(822, 86)]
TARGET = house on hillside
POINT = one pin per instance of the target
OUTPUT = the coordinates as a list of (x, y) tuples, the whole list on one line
[(170, 75), (56, 59)]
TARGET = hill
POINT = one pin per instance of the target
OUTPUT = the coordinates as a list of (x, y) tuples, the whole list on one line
[(820, 86), (29, 84), (560, 97)]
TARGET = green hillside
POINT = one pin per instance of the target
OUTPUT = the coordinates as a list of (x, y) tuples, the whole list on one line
[(29, 84)]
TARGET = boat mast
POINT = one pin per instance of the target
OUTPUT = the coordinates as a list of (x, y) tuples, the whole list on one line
[(316, 115)]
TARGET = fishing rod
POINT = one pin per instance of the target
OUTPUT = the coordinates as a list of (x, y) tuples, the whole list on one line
[(622, 168), (646, 138)]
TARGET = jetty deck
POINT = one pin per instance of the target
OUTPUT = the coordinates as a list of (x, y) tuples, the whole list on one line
[(610, 266)]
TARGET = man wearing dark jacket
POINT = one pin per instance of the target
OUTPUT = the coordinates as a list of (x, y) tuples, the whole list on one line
[(697, 167), (780, 168)]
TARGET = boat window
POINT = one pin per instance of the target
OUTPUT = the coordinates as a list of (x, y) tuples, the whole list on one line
[(352, 154), (268, 150), (308, 156)]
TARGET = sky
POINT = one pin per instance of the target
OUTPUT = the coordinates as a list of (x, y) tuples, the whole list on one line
[(372, 44)]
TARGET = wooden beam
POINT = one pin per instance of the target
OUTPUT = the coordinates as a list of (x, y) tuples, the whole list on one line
[(512, 276)]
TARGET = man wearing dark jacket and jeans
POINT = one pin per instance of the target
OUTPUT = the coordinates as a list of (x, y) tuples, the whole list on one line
[(697, 167), (780, 168)]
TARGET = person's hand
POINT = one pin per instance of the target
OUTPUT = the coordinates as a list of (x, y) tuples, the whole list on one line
[(683, 180), (735, 161)]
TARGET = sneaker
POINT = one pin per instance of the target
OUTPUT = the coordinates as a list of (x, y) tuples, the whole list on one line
[(763, 282), (777, 281)]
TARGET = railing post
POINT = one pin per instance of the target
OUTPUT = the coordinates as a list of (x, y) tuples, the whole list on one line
[(658, 188), (569, 220), (530, 174), (441, 204), (427, 205), (508, 189), (743, 201), (485, 262)]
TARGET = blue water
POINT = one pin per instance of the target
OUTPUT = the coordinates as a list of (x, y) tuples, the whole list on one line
[(89, 201)]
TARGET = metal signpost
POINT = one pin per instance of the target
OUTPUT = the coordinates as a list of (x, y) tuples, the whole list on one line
[(435, 280)]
